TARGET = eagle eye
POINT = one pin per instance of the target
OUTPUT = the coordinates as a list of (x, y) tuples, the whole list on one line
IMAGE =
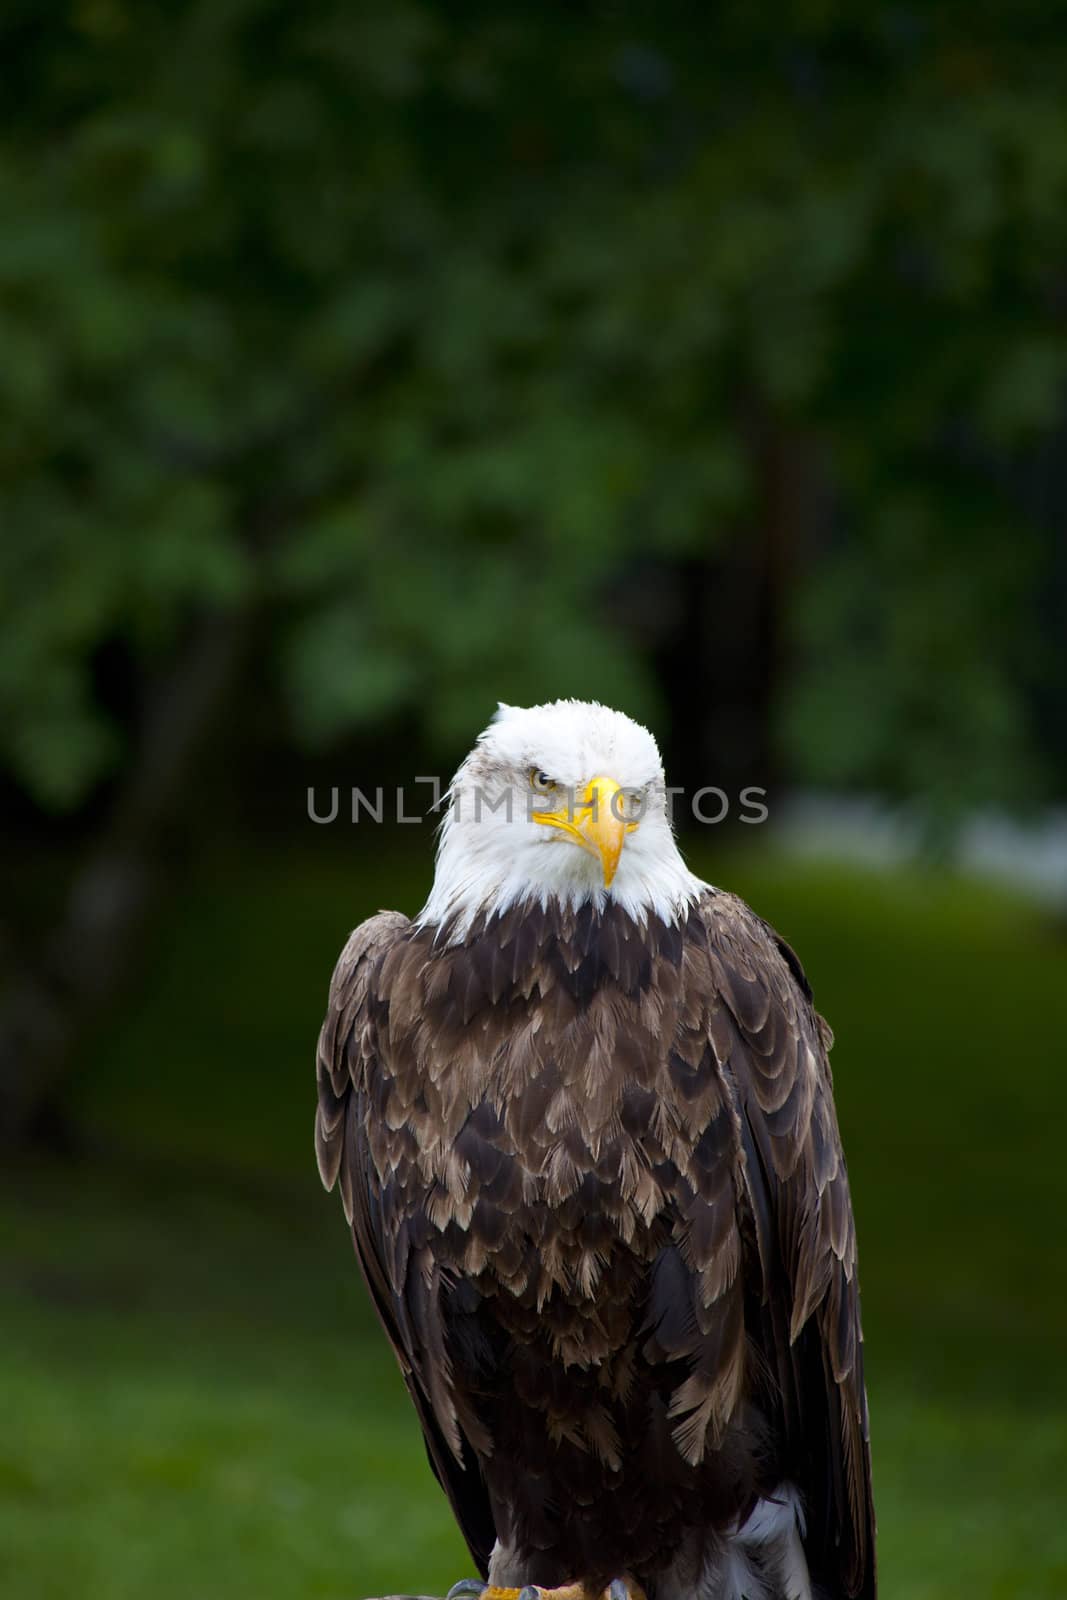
[(633, 803), (541, 782)]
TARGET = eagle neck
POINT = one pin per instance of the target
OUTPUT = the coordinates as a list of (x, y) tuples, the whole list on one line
[(463, 898)]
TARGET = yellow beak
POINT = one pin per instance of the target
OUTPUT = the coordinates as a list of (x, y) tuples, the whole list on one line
[(596, 822)]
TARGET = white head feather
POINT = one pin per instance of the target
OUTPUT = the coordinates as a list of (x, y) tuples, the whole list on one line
[(493, 853)]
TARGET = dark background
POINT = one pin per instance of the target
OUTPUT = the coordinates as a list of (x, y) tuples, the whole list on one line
[(361, 365)]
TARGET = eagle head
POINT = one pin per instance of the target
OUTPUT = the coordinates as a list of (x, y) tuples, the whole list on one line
[(565, 801)]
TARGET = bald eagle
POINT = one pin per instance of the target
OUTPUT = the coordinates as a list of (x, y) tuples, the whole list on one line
[(581, 1115)]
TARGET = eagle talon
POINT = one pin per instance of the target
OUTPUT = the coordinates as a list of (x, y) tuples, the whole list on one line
[(474, 1589)]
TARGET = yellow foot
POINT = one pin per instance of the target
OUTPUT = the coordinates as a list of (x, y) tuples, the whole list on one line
[(617, 1589), (475, 1589)]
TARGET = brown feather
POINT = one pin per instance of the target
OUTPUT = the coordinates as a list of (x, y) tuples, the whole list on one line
[(596, 1189)]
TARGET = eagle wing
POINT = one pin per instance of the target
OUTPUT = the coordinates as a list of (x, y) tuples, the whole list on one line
[(402, 1280), (769, 1041)]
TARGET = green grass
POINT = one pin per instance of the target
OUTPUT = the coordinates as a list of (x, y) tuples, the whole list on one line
[(195, 1400)]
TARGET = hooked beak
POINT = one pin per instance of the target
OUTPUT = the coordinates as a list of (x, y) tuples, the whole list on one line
[(596, 822)]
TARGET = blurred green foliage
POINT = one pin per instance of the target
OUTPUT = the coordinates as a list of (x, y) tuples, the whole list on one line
[(197, 1399), (432, 338), (418, 328)]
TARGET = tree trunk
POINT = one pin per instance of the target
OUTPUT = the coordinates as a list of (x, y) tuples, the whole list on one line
[(727, 656), (54, 1001)]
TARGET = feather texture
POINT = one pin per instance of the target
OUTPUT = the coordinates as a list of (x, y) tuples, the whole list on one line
[(596, 1188)]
